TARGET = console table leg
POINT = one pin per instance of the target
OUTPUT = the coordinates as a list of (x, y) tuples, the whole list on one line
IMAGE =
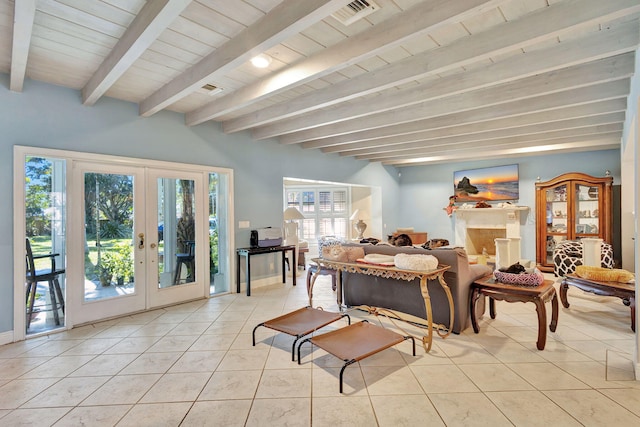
[(310, 283), (426, 340), (542, 320)]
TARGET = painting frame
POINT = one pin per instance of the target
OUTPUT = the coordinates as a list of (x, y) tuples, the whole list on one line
[(495, 183)]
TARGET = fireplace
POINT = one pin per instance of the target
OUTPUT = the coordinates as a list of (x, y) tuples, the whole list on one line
[(483, 238), (477, 228)]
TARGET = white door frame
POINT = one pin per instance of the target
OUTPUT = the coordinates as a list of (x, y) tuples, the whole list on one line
[(20, 154)]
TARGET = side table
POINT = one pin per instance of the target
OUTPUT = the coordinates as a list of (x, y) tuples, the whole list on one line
[(625, 291), (248, 252), (538, 295)]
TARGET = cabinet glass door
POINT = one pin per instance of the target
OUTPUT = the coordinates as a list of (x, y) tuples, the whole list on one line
[(586, 211), (557, 216)]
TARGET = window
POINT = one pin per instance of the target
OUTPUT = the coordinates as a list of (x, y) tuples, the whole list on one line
[(325, 209)]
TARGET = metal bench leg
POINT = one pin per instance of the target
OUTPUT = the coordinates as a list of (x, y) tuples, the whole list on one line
[(254, 333), (342, 371)]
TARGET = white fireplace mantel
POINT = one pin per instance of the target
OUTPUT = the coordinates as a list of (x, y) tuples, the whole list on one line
[(496, 218)]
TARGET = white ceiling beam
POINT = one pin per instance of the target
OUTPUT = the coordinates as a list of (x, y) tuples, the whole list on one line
[(520, 141), (555, 20), (148, 24), (419, 19), (599, 71), (283, 21), (448, 125), (602, 91), (601, 142), (24, 13), (608, 42), (607, 136), (477, 136)]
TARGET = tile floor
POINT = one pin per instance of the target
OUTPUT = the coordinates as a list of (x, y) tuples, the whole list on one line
[(194, 365)]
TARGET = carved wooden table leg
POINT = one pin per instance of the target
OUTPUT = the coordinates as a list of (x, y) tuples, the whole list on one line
[(554, 312), (492, 308), (563, 294), (542, 316), (473, 299), (538, 295), (625, 291)]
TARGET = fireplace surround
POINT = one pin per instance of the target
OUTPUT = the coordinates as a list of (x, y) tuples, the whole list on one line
[(477, 228)]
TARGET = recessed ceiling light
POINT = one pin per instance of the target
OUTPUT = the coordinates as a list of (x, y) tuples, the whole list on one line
[(261, 61)]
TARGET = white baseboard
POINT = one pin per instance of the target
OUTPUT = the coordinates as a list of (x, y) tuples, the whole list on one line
[(6, 337), (265, 281)]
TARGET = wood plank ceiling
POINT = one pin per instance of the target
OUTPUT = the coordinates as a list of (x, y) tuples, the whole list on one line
[(412, 82)]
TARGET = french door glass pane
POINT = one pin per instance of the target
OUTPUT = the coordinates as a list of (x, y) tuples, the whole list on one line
[(176, 232), (214, 233), (45, 219), (108, 208)]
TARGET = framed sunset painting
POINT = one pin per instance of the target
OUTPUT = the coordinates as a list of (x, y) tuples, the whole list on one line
[(497, 183)]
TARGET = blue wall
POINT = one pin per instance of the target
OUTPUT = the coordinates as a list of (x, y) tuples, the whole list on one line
[(53, 117), (425, 190)]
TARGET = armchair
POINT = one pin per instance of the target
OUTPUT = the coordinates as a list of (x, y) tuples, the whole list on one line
[(568, 255), (323, 242)]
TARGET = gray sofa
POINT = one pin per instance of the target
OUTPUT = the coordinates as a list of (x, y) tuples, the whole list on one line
[(405, 296)]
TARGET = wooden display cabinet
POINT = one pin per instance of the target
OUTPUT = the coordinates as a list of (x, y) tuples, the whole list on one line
[(571, 206)]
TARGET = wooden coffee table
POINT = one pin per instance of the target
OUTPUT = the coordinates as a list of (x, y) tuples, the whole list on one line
[(625, 291), (538, 295)]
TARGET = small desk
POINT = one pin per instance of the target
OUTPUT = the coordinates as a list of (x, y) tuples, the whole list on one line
[(392, 273), (248, 252), (625, 291), (514, 293)]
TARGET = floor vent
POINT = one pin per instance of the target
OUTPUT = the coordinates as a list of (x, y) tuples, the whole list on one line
[(355, 11)]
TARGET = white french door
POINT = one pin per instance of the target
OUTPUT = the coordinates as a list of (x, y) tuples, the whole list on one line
[(175, 246), (142, 241)]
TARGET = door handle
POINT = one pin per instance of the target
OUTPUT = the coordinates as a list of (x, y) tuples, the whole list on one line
[(153, 246), (141, 241)]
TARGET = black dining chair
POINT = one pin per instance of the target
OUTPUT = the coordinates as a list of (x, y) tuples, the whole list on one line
[(188, 259), (50, 275)]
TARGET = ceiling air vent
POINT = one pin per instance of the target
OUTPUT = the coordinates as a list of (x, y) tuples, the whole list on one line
[(355, 11), (210, 89)]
